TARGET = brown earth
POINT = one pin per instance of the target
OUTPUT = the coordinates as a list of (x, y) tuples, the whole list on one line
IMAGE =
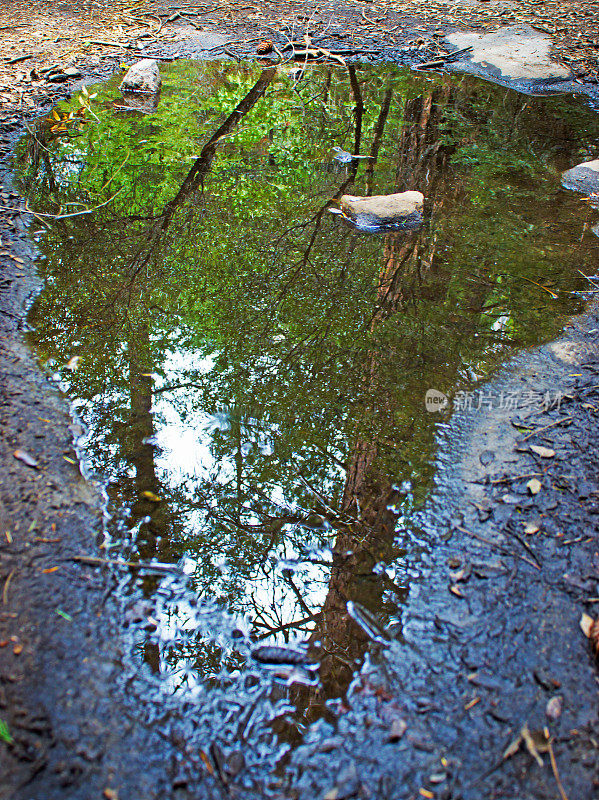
[(37, 35)]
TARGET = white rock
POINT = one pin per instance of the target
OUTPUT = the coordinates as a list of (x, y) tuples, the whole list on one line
[(142, 77), (583, 177), (516, 56), (384, 209)]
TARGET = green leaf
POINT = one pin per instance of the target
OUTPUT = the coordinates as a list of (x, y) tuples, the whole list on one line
[(5, 733)]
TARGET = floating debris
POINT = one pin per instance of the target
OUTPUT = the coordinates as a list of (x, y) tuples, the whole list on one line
[(367, 621), (277, 656)]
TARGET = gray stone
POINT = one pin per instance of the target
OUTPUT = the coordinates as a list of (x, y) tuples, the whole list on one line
[(583, 177), (386, 209), (595, 229), (142, 77), (57, 77), (516, 56), (144, 102), (72, 72)]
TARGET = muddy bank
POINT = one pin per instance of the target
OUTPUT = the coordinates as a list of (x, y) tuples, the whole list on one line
[(61, 697)]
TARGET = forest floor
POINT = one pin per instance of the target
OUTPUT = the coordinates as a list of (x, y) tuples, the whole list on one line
[(74, 733), (91, 35)]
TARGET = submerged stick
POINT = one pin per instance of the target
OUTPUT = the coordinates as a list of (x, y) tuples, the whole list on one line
[(98, 562)]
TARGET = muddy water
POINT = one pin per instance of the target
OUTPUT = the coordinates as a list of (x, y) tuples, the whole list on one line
[(249, 371)]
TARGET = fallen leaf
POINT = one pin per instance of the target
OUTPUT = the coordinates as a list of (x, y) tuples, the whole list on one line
[(28, 460), (472, 703), (48, 570), (535, 742), (17, 649), (534, 486), (73, 363), (554, 706), (531, 527), (151, 496), (590, 628), (455, 589), (398, 728), (461, 574), (544, 452), (110, 794), (207, 762), (264, 47), (427, 794), (586, 624), (512, 748)]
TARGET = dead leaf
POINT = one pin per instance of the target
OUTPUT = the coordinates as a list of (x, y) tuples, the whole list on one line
[(398, 728), (586, 624), (534, 485), (544, 452), (17, 649), (21, 455), (535, 742), (207, 762), (73, 363), (531, 527), (590, 628), (152, 497), (461, 574), (110, 794), (48, 570), (554, 706), (455, 589), (264, 47)]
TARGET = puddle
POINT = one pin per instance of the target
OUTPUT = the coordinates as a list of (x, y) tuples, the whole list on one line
[(250, 371)]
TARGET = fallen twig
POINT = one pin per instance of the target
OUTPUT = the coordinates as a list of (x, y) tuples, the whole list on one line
[(455, 53), (116, 562), (545, 427), (19, 58), (107, 44), (440, 61), (560, 787), (516, 478), (499, 547), (6, 585), (540, 285), (60, 216)]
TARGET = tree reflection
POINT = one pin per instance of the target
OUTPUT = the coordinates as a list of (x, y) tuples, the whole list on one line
[(260, 366)]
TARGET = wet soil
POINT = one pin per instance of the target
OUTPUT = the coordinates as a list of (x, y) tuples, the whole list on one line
[(78, 733), (489, 641)]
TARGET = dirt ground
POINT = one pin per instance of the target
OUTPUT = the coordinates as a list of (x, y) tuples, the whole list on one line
[(88, 35), (76, 732)]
